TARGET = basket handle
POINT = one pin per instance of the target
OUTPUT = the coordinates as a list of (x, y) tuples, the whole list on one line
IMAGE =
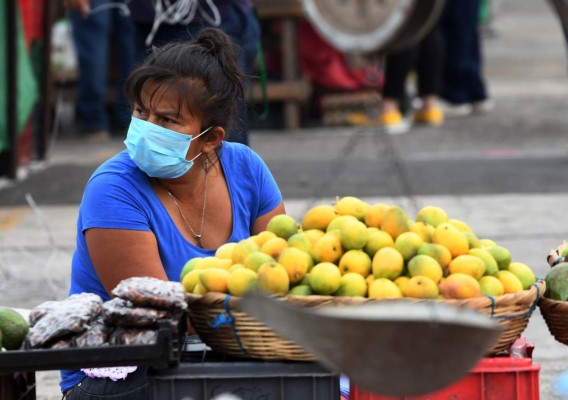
[(226, 318), (525, 314)]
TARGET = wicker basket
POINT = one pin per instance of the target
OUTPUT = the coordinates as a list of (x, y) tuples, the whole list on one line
[(227, 330), (555, 314)]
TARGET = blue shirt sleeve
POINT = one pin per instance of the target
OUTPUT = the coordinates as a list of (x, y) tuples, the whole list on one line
[(269, 193), (110, 201)]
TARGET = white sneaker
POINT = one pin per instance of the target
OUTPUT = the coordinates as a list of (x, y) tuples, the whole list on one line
[(452, 110), (483, 106), (399, 128)]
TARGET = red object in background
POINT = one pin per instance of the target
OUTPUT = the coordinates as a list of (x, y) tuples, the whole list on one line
[(493, 378), (31, 12), (327, 67), (25, 141), (32, 18)]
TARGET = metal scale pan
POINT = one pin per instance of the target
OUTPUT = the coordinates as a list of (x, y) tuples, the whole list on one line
[(372, 26)]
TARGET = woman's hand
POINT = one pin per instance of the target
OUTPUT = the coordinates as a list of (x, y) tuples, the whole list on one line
[(81, 6), (118, 254)]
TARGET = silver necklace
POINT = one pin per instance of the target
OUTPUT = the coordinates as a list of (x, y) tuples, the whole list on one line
[(196, 236)]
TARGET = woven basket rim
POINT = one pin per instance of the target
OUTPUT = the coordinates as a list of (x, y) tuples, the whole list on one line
[(546, 302), (512, 310), (525, 297)]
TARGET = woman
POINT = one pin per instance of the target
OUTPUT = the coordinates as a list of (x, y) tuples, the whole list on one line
[(178, 191)]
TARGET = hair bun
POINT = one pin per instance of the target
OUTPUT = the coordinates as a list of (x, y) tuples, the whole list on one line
[(214, 40)]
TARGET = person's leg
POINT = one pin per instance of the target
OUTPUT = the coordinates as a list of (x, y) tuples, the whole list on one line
[(244, 28), (473, 67), (91, 41), (462, 81), (430, 64), (124, 34), (397, 67), (394, 97), (561, 9), (429, 71)]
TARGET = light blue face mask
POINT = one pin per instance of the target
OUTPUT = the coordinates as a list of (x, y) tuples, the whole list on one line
[(158, 151)]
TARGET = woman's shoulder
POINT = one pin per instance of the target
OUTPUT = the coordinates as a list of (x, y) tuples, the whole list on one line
[(238, 152), (120, 166)]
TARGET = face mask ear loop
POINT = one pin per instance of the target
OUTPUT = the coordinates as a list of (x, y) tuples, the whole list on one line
[(193, 159), (192, 139), (202, 133)]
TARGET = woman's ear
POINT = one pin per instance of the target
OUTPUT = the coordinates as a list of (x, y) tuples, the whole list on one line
[(213, 138)]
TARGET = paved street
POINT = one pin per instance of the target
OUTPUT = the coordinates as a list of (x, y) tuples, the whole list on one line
[(503, 173)]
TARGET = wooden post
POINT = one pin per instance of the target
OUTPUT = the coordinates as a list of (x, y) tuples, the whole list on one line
[(9, 158)]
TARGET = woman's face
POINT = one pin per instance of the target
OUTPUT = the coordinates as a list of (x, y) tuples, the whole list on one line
[(162, 107)]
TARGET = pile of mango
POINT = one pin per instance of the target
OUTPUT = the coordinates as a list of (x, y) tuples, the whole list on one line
[(353, 248)]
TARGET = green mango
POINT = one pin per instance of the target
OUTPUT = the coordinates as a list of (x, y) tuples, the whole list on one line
[(557, 282)]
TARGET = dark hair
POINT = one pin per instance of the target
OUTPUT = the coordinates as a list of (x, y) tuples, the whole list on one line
[(204, 72)]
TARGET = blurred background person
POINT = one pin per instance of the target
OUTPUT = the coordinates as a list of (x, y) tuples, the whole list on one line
[(92, 34), (463, 85), (157, 22), (426, 59), (561, 9)]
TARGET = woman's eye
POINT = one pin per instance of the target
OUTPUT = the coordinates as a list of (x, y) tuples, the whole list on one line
[(139, 112)]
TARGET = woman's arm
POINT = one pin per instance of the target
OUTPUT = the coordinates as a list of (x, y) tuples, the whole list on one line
[(262, 221), (118, 254)]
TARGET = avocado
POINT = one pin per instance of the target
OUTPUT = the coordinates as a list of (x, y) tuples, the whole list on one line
[(14, 328), (557, 282)]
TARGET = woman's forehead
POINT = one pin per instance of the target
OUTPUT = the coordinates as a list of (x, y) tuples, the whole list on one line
[(173, 96)]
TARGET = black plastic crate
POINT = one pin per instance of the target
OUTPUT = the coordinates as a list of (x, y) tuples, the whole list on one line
[(203, 375), (18, 386)]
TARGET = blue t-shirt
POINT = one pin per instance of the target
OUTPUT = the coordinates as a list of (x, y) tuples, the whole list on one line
[(120, 196)]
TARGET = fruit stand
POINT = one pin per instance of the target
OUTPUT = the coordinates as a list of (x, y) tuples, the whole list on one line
[(339, 256)]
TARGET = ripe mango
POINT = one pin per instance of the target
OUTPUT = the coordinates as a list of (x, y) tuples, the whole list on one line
[(282, 225), (432, 215), (352, 285), (407, 244), (387, 263), (296, 262), (383, 288), (502, 255), (319, 217), (214, 279), (374, 215), (437, 252), (241, 281), (353, 235), (325, 278), (425, 266), (376, 241), (328, 249), (510, 282), (395, 221), (491, 286), (460, 286), (355, 261), (272, 278), (491, 267), (422, 287), (350, 205), (448, 235), (524, 273), (467, 264)]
